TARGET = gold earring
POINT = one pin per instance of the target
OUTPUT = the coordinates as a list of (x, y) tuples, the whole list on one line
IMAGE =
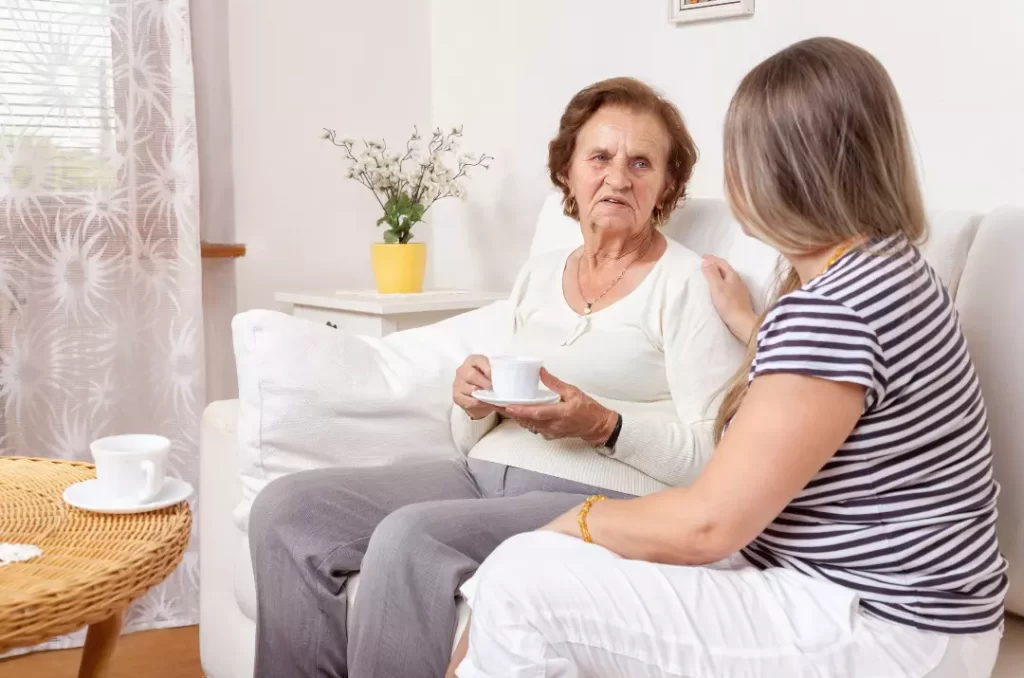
[(657, 217), (569, 207)]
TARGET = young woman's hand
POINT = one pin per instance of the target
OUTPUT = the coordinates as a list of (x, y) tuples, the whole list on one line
[(731, 297)]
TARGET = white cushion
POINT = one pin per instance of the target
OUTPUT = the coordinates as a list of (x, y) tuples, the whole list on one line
[(991, 305), (950, 235), (554, 230), (311, 396)]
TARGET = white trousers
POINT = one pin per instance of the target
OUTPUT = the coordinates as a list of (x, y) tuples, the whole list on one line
[(549, 605)]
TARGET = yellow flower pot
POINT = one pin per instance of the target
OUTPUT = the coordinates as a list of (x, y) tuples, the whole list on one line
[(399, 269)]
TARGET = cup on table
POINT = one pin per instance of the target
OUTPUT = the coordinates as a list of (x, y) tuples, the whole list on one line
[(515, 377), (130, 469)]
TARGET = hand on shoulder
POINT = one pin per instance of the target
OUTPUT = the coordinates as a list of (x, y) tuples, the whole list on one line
[(730, 296)]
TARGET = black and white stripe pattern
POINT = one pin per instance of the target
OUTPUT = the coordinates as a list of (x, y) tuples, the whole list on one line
[(905, 512)]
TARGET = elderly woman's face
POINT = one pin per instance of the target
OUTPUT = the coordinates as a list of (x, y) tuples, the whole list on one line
[(618, 172)]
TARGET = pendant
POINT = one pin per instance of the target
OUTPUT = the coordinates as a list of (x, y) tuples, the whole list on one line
[(586, 311), (580, 330)]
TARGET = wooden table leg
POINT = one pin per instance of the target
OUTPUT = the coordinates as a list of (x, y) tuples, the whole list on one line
[(100, 641)]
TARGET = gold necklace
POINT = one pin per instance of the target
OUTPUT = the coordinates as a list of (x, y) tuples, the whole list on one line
[(641, 250), (840, 251)]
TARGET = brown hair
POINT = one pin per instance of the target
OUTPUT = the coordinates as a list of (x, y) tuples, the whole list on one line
[(817, 154), (636, 96)]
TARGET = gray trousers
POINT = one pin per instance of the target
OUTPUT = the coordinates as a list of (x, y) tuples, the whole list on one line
[(415, 532)]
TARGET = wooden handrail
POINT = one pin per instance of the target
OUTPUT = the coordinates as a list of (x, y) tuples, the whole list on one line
[(221, 250)]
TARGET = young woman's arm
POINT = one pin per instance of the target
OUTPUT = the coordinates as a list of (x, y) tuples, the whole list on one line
[(787, 428)]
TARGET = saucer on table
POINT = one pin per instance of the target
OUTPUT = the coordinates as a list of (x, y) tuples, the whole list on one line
[(543, 397), (88, 496)]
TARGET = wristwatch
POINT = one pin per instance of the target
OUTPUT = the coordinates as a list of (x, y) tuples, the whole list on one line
[(613, 438)]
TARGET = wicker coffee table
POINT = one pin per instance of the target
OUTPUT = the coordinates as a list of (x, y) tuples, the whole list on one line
[(92, 566)]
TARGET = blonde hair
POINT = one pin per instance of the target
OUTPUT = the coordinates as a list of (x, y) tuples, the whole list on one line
[(817, 153)]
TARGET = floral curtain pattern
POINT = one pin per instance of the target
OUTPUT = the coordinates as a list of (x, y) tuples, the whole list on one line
[(100, 298)]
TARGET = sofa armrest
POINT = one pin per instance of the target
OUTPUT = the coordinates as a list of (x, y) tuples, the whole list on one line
[(989, 299)]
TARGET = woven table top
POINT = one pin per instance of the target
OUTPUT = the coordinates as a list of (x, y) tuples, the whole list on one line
[(93, 565)]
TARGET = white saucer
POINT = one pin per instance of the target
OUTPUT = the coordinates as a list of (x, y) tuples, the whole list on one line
[(544, 397), (87, 496)]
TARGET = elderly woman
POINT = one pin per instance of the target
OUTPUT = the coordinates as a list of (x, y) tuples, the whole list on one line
[(632, 344)]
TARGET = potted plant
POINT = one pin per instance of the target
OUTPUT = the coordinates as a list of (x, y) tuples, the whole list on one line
[(406, 185)]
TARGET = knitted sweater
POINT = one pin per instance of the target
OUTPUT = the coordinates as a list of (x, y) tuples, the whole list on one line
[(659, 356)]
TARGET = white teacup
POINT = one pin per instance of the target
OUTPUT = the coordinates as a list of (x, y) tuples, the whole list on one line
[(515, 377), (130, 469)]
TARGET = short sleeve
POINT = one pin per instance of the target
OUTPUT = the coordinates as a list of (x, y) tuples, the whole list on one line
[(820, 337)]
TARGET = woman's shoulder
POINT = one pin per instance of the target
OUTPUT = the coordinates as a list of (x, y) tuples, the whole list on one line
[(678, 268), (678, 252), (679, 288), (678, 262)]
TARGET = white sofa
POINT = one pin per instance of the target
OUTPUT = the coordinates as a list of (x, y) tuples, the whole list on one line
[(976, 255)]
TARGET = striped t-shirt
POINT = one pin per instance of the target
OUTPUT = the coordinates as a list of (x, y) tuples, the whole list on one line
[(905, 512)]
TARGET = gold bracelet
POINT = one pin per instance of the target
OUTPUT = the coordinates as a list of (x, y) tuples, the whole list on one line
[(582, 517)]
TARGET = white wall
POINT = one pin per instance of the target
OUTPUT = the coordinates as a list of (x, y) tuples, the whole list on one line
[(506, 70), (360, 67), (216, 190)]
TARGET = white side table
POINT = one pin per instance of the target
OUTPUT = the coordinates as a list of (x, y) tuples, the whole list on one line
[(376, 315)]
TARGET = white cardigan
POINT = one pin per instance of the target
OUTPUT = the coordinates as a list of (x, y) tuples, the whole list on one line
[(660, 357)]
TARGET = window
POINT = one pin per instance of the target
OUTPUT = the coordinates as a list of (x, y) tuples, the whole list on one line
[(57, 124)]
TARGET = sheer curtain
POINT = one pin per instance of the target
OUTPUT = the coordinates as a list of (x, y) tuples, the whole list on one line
[(100, 301)]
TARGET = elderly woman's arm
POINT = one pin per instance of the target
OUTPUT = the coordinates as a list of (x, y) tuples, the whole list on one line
[(700, 356), (669, 440), (467, 432)]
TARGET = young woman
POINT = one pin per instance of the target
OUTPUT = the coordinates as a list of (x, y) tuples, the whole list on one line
[(845, 525)]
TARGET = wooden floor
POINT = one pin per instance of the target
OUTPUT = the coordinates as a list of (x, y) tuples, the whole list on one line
[(168, 653), (174, 653)]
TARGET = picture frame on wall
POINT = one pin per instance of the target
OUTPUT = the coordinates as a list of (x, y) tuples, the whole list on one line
[(686, 11)]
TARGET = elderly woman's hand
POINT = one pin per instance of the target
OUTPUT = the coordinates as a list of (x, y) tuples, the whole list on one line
[(473, 375), (731, 297), (577, 415)]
